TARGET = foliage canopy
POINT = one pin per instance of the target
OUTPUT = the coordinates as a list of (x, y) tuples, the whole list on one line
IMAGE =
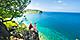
[(12, 8)]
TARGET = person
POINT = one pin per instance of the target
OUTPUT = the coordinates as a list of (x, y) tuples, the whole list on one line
[(30, 26), (35, 29)]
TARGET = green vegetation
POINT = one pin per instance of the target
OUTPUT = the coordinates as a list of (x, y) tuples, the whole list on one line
[(31, 11), (12, 8)]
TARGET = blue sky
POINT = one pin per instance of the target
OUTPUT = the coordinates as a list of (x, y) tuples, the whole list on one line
[(55, 5)]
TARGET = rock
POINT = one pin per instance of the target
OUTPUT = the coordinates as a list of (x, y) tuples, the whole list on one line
[(28, 35), (3, 31)]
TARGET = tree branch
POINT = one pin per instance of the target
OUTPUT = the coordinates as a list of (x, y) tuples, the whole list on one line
[(9, 20)]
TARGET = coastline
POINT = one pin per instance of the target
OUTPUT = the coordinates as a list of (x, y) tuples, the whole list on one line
[(42, 36)]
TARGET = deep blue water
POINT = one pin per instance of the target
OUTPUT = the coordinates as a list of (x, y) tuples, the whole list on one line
[(68, 24)]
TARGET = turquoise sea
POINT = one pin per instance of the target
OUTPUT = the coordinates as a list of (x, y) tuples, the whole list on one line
[(57, 25)]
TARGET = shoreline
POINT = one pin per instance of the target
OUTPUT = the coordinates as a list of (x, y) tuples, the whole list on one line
[(42, 36)]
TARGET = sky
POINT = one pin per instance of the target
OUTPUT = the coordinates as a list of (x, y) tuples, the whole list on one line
[(55, 5)]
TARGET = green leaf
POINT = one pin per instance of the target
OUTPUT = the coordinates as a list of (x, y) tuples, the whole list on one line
[(9, 8)]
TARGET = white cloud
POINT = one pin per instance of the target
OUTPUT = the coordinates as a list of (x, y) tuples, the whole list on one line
[(59, 1)]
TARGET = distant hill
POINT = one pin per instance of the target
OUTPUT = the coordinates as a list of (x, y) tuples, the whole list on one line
[(28, 11)]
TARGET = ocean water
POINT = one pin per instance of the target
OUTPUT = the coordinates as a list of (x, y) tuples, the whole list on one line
[(57, 25)]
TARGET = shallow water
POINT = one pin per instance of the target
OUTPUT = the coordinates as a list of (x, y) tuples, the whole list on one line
[(57, 25)]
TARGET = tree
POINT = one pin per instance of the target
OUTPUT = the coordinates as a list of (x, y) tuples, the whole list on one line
[(12, 8)]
